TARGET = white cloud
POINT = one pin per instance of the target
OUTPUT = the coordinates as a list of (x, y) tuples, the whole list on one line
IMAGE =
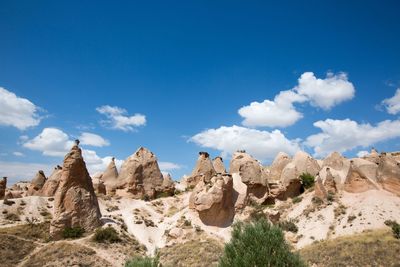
[(19, 171), (16, 111), (325, 93), (51, 142), (95, 163), (168, 166), (92, 139), (392, 104), (118, 118), (345, 135), (281, 112), (18, 154), (362, 153), (263, 145)]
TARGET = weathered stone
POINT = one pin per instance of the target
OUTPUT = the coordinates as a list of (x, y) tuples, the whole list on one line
[(203, 170), (218, 164), (110, 176), (357, 181), (388, 174), (50, 186), (279, 163), (37, 184), (3, 186)]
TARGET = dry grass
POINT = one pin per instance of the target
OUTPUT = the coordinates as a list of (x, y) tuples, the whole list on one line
[(192, 253), (37, 232), (65, 254), (13, 250), (373, 248)]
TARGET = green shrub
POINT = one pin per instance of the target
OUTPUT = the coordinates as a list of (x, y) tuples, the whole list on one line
[(396, 230), (288, 226), (258, 244), (297, 199), (140, 261), (73, 232), (106, 235), (307, 180)]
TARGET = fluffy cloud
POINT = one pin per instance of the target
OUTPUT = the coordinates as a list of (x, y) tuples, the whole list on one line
[(345, 135), (91, 139), (16, 111), (117, 118), (263, 145), (362, 153), (51, 142), (18, 171), (392, 104), (281, 112), (95, 163), (168, 166)]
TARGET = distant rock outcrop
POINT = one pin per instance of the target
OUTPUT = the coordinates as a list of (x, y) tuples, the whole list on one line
[(214, 200), (75, 201), (357, 181), (37, 184), (140, 176), (388, 173), (277, 166), (203, 170), (3, 186), (110, 176), (49, 188), (218, 164), (98, 185)]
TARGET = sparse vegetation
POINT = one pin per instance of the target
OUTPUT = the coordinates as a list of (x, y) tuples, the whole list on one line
[(317, 201), (172, 211), (297, 199), (73, 232), (140, 261), (307, 180), (395, 228), (12, 217), (330, 197), (263, 238), (340, 210), (373, 248), (351, 218), (106, 235), (288, 226)]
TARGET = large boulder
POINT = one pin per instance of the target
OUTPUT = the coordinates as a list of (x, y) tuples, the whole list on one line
[(388, 173), (75, 202), (251, 173), (214, 200), (49, 188), (277, 166), (357, 181), (203, 170), (37, 184), (110, 176), (218, 164), (3, 186), (140, 176)]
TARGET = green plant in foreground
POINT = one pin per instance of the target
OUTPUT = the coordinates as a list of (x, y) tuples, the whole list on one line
[(288, 226), (73, 232), (307, 180), (258, 244), (140, 261), (106, 235)]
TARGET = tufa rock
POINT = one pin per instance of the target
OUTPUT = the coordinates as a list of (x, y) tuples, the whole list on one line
[(49, 188), (218, 164), (37, 184), (357, 181), (75, 202), (98, 185), (110, 176), (203, 170), (388, 174), (279, 163), (3, 186), (214, 200)]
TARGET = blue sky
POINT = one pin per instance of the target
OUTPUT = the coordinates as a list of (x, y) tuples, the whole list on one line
[(179, 77)]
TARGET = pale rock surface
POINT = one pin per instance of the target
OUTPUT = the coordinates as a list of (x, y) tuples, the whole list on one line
[(357, 181), (218, 164), (277, 166), (50, 186), (3, 186), (75, 203), (388, 174), (37, 184), (110, 176), (203, 170)]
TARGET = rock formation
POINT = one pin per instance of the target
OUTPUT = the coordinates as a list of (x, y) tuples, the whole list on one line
[(110, 176), (140, 176), (98, 185), (49, 188), (214, 200), (75, 201), (319, 189), (203, 170), (388, 174), (3, 186), (218, 164), (277, 166), (251, 173), (330, 183), (357, 181), (37, 183), (168, 184)]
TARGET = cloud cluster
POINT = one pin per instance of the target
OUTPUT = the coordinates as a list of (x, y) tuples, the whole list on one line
[(22, 171), (166, 166), (92, 139), (345, 135), (95, 163), (281, 112), (392, 104), (16, 111), (51, 142), (263, 145), (118, 119)]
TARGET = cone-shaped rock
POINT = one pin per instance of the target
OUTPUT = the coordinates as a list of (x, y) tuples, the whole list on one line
[(168, 184), (98, 185), (110, 176), (75, 202), (204, 169), (357, 181), (49, 188), (219, 166), (330, 183), (214, 200), (37, 184), (389, 173), (277, 166), (319, 189), (140, 175), (3, 186)]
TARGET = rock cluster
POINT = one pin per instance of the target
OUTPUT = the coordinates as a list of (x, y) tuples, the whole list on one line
[(75, 202), (37, 184), (50, 187), (203, 170)]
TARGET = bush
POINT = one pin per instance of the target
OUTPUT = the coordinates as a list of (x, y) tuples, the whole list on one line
[(140, 261), (297, 199), (106, 235), (288, 226), (258, 244), (307, 180), (395, 228), (73, 232)]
